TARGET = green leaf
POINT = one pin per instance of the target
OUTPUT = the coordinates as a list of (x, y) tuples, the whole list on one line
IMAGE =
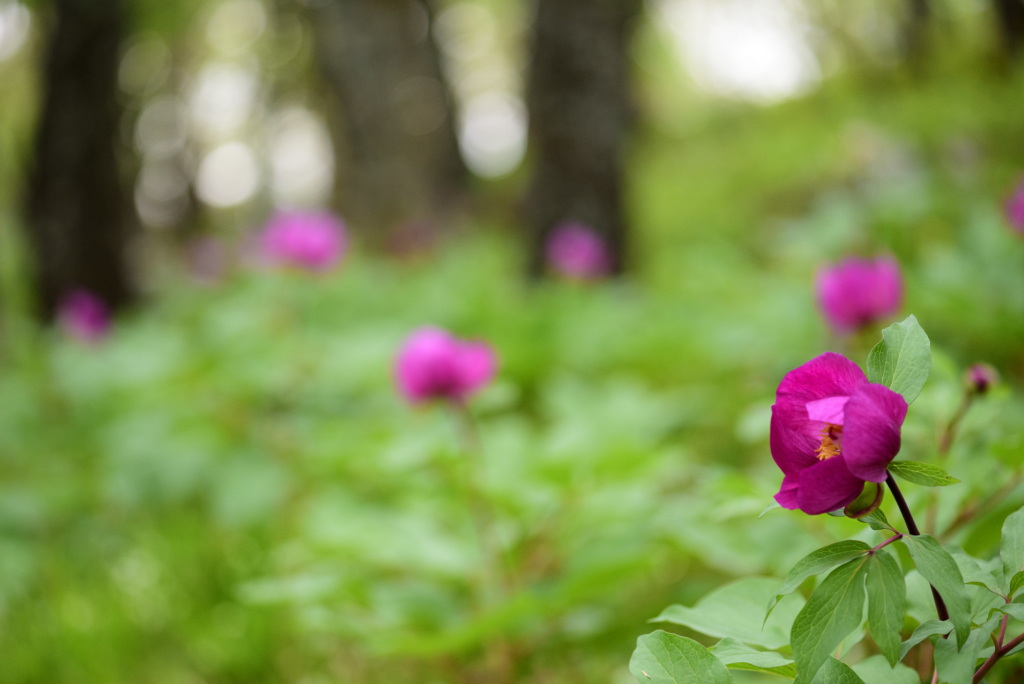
[(834, 610), (816, 563), (938, 567), (734, 610), (876, 670), (924, 474), (1016, 582), (887, 604), (973, 573), (836, 672), (877, 520), (1012, 548), (902, 360), (957, 667), (923, 631), (663, 658), (738, 656), (770, 507), (1014, 610)]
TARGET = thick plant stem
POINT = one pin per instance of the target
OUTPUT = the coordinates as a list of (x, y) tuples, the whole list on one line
[(908, 518)]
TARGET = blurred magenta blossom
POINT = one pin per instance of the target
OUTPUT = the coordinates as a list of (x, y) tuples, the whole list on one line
[(831, 431), (84, 316), (1015, 208), (314, 241), (577, 251), (980, 377), (433, 364), (857, 292)]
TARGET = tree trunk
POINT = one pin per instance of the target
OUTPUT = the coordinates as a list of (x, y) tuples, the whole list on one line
[(399, 160), (79, 221), (1010, 14), (580, 114), (915, 33)]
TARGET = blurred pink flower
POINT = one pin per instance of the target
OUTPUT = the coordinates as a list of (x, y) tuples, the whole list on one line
[(84, 316), (857, 292), (1015, 208), (314, 241), (433, 364), (577, 251)]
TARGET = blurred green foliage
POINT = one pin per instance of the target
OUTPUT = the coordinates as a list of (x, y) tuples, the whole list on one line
[(229, 490)]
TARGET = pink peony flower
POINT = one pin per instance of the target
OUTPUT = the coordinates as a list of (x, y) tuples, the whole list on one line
[(831, 431), (84, 316), (1014, 208), (433, 364), (314, 241), (577, 251), (857, 292)]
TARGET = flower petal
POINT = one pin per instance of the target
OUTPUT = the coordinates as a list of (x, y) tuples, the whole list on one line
[(792, 450), (823, 377), (827, 486), (787, 496), (477, 364), (827, 410), (871, 435)]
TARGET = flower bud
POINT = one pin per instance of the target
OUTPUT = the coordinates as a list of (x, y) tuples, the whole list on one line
[(980, 377)]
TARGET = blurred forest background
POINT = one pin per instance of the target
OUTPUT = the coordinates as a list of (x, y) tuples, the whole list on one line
[(225, 488)]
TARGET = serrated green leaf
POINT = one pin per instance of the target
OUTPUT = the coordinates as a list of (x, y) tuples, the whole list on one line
[(957, 667), (770, 507), (887, 604), (816, 563), (923, 631), (739, 656), (877, 520), (973, 573), (876, 670), (734, 610), (924, 474), (1016, 582), (938, 567), (834, 610), (663, 658), (836, 672), (902, 360), (1012, 548)]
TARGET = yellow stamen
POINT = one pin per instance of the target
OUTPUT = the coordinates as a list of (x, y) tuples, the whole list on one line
[(831, 441)]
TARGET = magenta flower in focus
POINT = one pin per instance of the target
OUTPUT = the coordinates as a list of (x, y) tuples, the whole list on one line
[(576, 251), (1014, 208), (84, 316), (433, 364), (831, 431), (314, 241), (857, 292)]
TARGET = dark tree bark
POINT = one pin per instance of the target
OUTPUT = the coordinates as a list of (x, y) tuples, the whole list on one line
[(79, 221), (1010, 14), (580, 114), (915, 32), (399, 160)]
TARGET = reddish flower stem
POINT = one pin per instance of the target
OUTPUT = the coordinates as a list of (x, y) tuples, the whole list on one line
[(908, 518), (890, 540), (999, 652)]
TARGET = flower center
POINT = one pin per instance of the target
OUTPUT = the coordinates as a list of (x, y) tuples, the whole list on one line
[(831, 441)]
